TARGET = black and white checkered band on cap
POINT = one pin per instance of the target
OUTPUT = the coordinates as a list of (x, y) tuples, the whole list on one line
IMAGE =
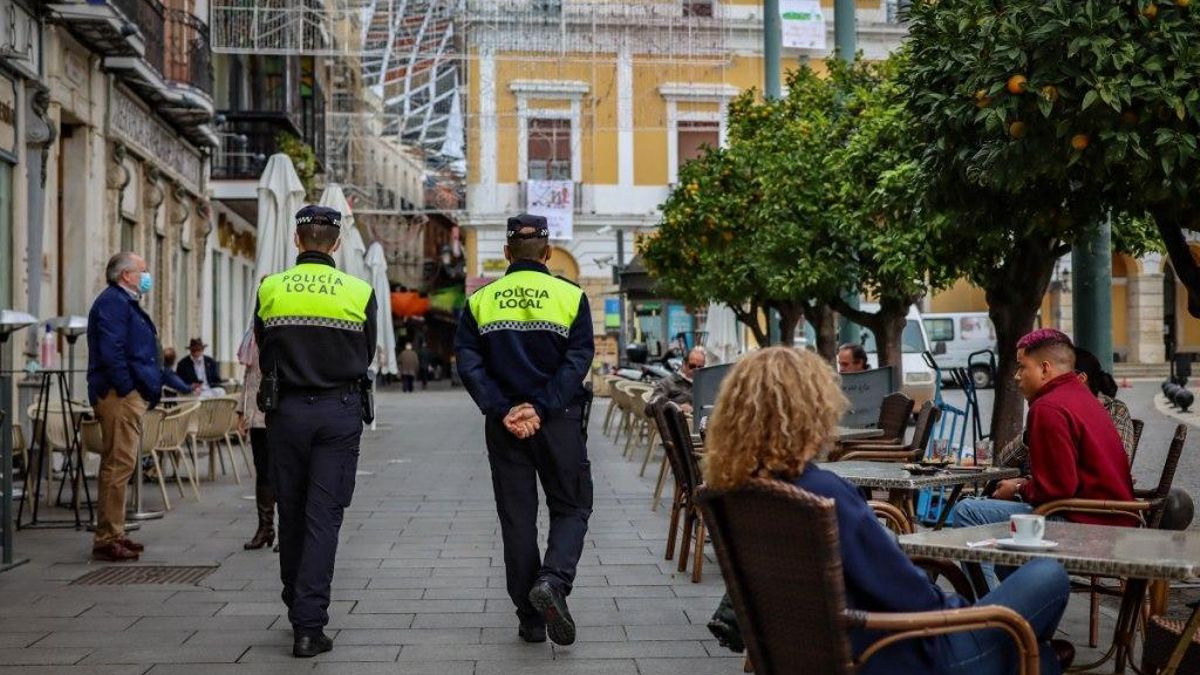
[(321, 215)]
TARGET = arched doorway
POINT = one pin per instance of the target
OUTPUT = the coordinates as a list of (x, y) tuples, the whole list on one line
[(563, 264)]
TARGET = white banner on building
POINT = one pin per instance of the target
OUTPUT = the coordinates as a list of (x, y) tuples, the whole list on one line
[(803, 24), (554, 199)]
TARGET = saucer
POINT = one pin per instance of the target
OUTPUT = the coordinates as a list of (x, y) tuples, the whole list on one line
[(1009, 542)]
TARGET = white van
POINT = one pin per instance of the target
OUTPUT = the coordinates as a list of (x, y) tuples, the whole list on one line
[(957, 335), (919, 379)]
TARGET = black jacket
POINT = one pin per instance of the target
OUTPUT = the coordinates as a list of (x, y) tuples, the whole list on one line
[(122, 348), (186, 370)]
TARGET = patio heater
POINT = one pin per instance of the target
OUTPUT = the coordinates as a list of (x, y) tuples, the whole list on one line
[(10, 322), (70, 327)]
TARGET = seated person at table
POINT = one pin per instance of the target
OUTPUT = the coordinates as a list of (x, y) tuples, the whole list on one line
[(852, 358), (1074, 448), (172, 383), (799, 404), (677, 387), (1104, 388), (200, 369)]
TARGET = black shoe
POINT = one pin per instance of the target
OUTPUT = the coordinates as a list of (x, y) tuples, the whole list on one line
[(308, 646), (532, 632), (553, 608)]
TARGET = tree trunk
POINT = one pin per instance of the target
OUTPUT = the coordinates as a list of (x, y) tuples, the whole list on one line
[(825, 326), (1014, 295), (749, 319), (888, 326), (789, 318)]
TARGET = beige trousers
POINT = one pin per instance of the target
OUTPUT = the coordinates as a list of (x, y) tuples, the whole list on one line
[(121, 423)]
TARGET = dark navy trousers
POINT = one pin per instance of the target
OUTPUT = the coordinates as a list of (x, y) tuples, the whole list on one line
[(313, 448), (557, 456)]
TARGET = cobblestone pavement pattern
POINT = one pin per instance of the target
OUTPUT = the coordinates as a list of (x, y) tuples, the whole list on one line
[(419, 587)]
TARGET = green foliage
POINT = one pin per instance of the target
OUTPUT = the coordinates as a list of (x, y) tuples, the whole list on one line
[(304, 158), (813, 195)]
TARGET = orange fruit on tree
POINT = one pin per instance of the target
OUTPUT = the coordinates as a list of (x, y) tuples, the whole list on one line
[(1017, 84), (1017, 129), (1151, 11), (982, 100), (1080, 142), (1050, 92)]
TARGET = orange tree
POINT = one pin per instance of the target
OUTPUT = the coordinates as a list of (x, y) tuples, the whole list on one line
[(892, 246), (1038, 119), (746, 224)]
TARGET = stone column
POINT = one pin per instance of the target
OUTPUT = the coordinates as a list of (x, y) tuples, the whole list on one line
[(39, 136), (1146, 311)]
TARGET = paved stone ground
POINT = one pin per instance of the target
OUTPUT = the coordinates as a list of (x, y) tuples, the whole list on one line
[(419, 586)]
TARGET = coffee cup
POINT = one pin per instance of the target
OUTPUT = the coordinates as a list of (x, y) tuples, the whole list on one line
[(1027, 528)]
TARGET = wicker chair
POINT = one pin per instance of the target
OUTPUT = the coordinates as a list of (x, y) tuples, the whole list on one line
[(171, 440), (914, 451), (686, 468), (894, 414), (652, 434), (151, 430), (610, 382), (216, 425), (787, 588), (1147, 507), (1138, 426)]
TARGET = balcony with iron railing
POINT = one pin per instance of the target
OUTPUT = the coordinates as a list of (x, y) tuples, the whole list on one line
[(161, 53)]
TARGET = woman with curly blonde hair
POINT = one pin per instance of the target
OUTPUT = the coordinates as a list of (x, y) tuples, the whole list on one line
[(777, 409)]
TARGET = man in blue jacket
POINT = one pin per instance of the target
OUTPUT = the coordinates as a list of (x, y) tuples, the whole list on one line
[(124, 380), (524, 347)]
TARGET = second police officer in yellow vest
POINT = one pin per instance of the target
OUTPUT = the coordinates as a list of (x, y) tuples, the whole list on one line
[(316, 329), (524, 348)]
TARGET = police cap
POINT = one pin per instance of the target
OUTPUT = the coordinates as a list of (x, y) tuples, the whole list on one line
[(320, 215), (528, 226)]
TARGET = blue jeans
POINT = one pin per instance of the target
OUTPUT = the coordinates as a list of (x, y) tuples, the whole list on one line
[(1037, 591), (972, 512)]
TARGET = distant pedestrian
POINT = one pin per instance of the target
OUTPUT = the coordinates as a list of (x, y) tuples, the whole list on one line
[(524, 347), (253, 422), (852, 358), (410, 365), (124, 379), (315, 327)]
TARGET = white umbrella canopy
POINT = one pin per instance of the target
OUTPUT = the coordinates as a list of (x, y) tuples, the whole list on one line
[(723, 341), (351, 255), (280, 196), (385, 352)]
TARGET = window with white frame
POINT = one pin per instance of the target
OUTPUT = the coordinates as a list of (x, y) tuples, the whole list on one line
[(548, 148), (693, 137)]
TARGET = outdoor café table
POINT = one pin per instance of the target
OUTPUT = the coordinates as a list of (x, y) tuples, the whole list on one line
[(894, 478), (1136, 555)]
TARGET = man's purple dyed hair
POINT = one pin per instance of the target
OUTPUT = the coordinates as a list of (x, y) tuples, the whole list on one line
[(1044, 337)]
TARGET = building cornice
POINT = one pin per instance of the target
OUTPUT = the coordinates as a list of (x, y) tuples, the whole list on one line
[(556, 89)]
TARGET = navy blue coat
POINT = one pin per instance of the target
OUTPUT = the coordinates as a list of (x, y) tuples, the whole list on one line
[(186, 370), (539, 367), (122, 348)]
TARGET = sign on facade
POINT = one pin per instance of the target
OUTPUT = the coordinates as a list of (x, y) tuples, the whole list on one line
[(554, 199), (803, 24)]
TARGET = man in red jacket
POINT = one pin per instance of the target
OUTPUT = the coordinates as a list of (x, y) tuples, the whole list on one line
[(1074, 449)]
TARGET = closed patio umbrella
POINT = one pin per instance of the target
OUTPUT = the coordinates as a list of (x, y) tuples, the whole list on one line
[(723, 341), (351, 255), (280, 196), (385, 352)]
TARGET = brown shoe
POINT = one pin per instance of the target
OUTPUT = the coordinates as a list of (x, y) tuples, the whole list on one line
[(114, 552), (132, 545)]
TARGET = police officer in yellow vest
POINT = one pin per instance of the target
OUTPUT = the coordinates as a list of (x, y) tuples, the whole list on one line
[(524, 348), (315, 328)]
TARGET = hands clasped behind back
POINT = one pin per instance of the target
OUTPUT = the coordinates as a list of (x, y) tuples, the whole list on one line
[(522, 421)]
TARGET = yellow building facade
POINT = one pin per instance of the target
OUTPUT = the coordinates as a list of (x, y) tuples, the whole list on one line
[(612, 97)]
